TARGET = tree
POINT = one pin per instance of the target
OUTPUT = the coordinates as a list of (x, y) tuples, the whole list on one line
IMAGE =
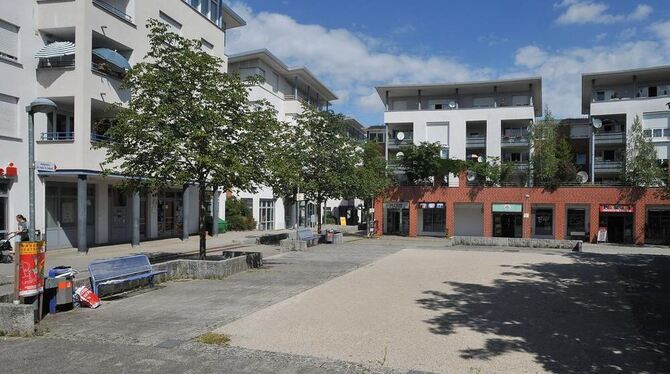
[(238, 215), (424, 164), (187, 122), (544, 163), (321, 160), (490, 172), (641, 166), (371, 177)]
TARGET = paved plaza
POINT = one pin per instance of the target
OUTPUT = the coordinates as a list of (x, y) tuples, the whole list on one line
[(388, 305)]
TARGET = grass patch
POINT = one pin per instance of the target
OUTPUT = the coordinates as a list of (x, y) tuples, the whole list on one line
[(214, 339)]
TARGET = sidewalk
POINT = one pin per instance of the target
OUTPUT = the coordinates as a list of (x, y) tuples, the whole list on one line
[(79, 262)]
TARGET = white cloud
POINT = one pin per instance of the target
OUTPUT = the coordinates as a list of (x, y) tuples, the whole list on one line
[(530, 56), (582, 12), (348, 62), (662, 31)]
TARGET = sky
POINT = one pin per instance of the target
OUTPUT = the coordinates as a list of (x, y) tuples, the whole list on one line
[(354, 45)]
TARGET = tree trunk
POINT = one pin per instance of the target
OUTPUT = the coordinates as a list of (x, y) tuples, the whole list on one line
[(202, 212), (318, 215)]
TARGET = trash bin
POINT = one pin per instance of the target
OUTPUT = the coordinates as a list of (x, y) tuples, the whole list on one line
[(59, 285), (223, 226), (330, 234)]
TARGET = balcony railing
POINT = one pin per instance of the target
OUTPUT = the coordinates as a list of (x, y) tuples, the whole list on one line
[(113, 10), (99, 138), (618, 137), (608, 166), (46, 63), (518, 165), (514, 141), (478, 141), (57, 136), (105, 70)]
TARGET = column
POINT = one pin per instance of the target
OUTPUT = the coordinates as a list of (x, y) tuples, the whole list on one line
[(82, 244), (527, 220), (215, 212), (136, 219), (559, 221), (450, 211), (493, 137), (101, 212), (638, 223), (185, 208), (594, 218), (488, 219), (413, 219)]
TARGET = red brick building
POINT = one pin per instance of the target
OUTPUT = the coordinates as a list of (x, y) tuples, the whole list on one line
[(629, 215)]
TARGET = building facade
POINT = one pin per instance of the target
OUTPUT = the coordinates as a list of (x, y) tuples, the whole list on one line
[(492, 121), (286, 89), (75, 53)]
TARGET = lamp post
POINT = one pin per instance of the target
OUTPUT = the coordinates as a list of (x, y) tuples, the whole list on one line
[(39, 105)]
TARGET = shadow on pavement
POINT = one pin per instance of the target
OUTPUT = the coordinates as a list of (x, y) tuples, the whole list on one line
[(600, 314)]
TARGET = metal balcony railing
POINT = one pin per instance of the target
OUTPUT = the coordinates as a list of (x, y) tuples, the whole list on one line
[(113, 10), (608, 166), (514, 141), (98, 138), (478, 141), (618, 137), (46, 63), (57, 136)]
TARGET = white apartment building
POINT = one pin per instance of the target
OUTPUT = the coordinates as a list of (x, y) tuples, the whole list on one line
[(488, 119), (613, 99), (285, 88), (82, 46)]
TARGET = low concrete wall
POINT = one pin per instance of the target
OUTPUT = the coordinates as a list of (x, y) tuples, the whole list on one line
[(17, 320), (514, 242), (288, 245)]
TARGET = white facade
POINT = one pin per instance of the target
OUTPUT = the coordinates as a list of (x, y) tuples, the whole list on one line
[(284, 88), (479, 118), (83, 88), (615, 99)]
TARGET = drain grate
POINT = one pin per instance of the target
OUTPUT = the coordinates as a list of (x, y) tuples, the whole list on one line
[(170, 343)]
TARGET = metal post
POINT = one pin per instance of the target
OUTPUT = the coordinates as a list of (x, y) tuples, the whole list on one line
[(593, 154), (82, 245), (297, 212), (136, 219), (31, 176)]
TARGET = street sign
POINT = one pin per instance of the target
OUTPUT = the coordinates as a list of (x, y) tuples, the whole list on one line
[(45, 166)]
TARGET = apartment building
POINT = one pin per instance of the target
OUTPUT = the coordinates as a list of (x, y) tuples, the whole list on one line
[(75, 53), (286, 88), (491, 119)]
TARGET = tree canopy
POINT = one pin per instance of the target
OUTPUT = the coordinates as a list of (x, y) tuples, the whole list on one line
[(641, 167)]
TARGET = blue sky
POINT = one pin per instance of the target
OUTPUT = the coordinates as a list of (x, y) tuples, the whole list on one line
[(354, 45)]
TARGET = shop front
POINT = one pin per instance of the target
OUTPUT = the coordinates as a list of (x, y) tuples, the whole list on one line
[(577, 222), (507, 220), (657, 229), (396, 218), (543, 222), (616, 223), (431, 217)]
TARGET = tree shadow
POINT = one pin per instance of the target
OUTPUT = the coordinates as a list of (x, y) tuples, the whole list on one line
[(600, 314)]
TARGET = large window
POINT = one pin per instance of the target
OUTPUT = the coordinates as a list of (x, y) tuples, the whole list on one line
[(266, 214), (9, 40), (61, 201), (544, 221), (9, 116), (433, 220)]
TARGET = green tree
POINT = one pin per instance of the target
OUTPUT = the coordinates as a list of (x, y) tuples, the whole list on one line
[(238, 215), (641, 166), (187, 122), (567, 170), (544, 162), (424, 164), (371, 177), (490, 172)]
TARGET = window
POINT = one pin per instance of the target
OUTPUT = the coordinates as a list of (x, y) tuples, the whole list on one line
[(214, 11), (444, 153), (206, 46), (652, 91), (433, 220), (609, 155), (9, 40), (646, 133), (249, 202), (9, 115), (576, 218), (399, 105), (266, 215), (483, 102), (251, 72), (599, 95), (437, 132), (580, 159), (666, 132), (520, 100), (60, 126), (275, 82), (438, 104), (658, 133), (543, 222), (173, 25)]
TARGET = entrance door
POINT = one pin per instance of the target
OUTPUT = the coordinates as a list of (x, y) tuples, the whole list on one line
[(619, 227), (392, 222), (615, 228), (166, 217), (507, 225)]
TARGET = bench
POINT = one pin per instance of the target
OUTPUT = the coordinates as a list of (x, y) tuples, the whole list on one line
[(121, 269), (305, 234)]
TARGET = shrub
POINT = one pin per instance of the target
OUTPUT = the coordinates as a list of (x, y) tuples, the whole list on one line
[(238, 215)]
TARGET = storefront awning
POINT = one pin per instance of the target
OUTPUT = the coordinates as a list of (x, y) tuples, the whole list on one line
[(56, 49), (112, 57)]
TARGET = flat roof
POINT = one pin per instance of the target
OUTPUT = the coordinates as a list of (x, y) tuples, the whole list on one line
[(231, 18), (472, 87), (301, 72), (618, 77)]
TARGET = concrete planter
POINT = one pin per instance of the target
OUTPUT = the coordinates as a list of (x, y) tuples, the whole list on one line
[(289, 245), (514, 242), (17, 319)]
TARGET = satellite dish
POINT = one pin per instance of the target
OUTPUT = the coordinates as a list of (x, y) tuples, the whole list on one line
[(399, 155), (400, 135), (480, 159), (582, 177), (452, 104), (471, 176), (597, 123)]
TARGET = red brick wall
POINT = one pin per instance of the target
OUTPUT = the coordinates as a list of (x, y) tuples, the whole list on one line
[(560, 198)]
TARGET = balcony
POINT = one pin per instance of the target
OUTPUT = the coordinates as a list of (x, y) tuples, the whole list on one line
[(618, 137), (514, 141), (518, 165), (65, 136), (478, 141), (608, 166), (113, 10), (407, 140)]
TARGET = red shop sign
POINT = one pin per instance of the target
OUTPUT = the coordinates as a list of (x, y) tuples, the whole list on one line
[(616, 208), (31, 268)]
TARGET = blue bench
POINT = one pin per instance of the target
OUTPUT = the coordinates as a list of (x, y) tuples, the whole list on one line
[(306, 234), (121, 269)]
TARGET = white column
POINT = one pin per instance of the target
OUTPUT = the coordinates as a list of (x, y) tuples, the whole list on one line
[(493, 137)]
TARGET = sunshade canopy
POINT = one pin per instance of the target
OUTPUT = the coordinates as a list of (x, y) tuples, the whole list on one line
[(112, 57), (56, 49)]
